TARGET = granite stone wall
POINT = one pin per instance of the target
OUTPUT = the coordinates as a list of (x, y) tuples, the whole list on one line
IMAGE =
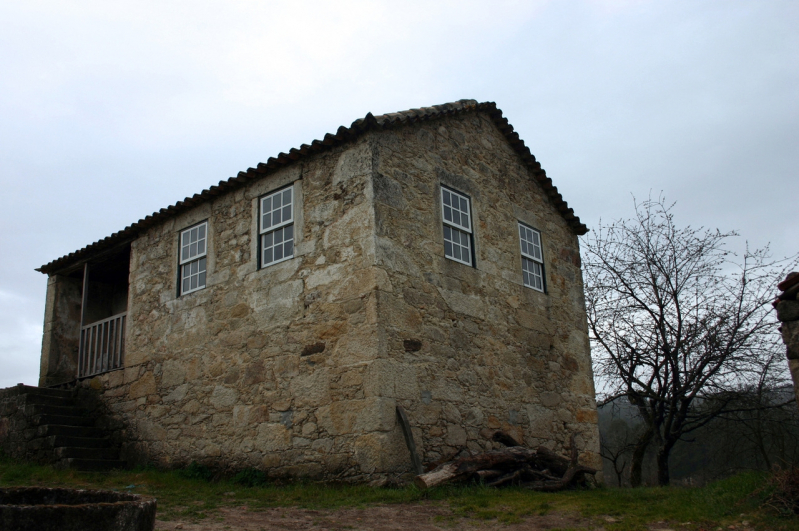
[(297, 368), (467, 350)]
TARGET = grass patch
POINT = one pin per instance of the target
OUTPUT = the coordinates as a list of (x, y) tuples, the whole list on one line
[(191, 494)]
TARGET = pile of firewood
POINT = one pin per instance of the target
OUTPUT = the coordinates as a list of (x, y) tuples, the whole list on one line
[(539, 469)]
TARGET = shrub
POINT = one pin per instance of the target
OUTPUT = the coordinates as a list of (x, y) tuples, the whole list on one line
[(250, 477), (197, 471), (785, 494)]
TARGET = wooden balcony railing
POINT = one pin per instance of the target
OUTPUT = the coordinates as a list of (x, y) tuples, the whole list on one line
[(102, 346)]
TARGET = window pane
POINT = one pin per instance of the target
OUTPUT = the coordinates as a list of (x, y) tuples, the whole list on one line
[(286, 213), (201, 231), (447, 198), (278, 236), (289, 248), (287, 197), (447, 249), (268, 255), (456, 218), (447, 233), (278, 252), (465, 220), (456, 251), (202, 279), (464, 205), (185, 254), (193, 249), (276, 217), (276, 201), (266, 205), (201, 247), (201, 263), (289, 232), (447, 213), (185, 285)]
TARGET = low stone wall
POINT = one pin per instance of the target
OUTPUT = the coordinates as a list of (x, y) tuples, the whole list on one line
[(16, 428)]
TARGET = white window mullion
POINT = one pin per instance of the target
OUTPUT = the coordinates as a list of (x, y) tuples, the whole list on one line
[(277, 227), (457, 218), (532, 257), (193, 263)]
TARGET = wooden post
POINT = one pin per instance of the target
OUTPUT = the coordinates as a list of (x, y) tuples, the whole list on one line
[(83, 304), (409, 442)]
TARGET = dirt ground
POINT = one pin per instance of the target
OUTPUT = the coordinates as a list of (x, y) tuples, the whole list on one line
[(416, 517)]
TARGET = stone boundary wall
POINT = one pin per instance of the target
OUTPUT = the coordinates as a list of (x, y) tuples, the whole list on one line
[(16, 427), (787, 307)]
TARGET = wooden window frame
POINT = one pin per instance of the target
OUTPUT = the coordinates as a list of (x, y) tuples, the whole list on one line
[(528, 247), (189, 259), (280, 228), (457, 229)]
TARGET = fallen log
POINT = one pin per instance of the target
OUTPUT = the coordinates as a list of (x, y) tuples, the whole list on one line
[(507, 458), (540, 469)]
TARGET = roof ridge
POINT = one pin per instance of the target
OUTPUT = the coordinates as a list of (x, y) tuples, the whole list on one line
[(342, 135)]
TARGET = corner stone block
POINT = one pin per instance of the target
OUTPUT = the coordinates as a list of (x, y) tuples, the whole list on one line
[(360, 282), (390, 378), (382, 452)]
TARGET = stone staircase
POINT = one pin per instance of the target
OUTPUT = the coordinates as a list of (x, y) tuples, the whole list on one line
[(56, 428)]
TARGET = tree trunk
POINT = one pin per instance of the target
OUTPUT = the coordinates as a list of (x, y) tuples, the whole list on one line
[(637, 461), (663, 465)]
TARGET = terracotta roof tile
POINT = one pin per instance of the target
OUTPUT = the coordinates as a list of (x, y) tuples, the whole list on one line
[(342, 135)]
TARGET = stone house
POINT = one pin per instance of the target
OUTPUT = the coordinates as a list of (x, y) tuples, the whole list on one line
[(276, 320)]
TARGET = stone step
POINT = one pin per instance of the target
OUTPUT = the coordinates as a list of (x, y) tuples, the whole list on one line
[(70, 431), (57, 441), (45, 391), (90, 464), (62, 420), (70, 452), (46, 400), (32, 410)]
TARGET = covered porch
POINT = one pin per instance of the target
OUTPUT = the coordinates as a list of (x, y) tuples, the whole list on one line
[(86, 318)]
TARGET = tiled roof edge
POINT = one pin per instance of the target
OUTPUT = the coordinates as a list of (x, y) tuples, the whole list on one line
[(341, 136)]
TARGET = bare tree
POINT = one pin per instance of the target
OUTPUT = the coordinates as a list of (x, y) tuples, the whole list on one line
[(675, 320), (615, 446)]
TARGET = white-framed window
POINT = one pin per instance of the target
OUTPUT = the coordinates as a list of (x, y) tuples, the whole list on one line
[(193, 261), (532, 257), (277, 226), (457, 215)]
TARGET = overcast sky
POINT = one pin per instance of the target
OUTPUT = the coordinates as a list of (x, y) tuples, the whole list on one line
[(112, 110)]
